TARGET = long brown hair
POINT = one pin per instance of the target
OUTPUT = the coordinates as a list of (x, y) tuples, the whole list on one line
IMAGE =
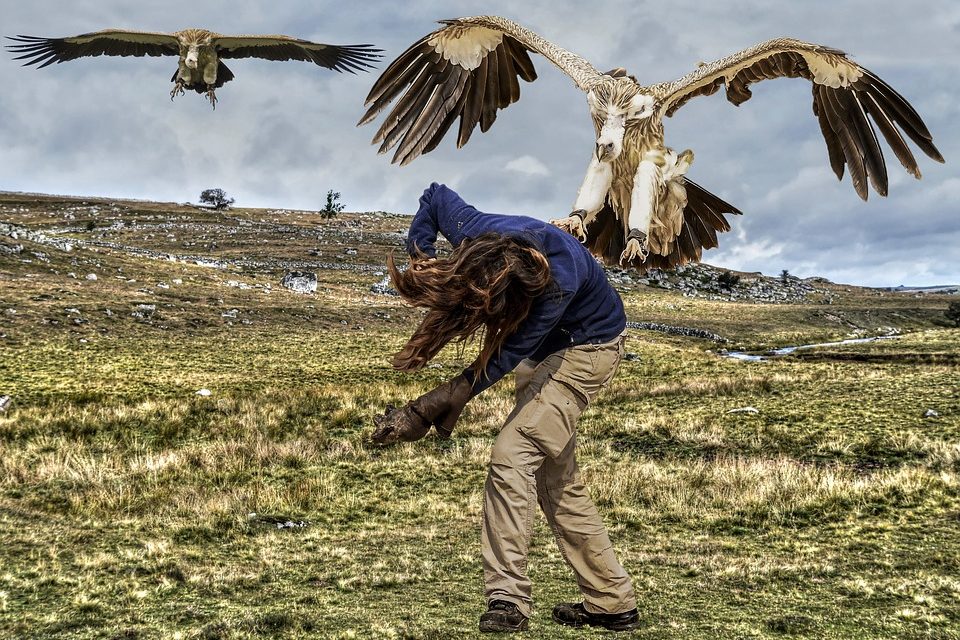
[(487, 284)]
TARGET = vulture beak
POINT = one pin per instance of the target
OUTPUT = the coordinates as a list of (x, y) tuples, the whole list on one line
[(191, 58), (610, 140), (604, 150)]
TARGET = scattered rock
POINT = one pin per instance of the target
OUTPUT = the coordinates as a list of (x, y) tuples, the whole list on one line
[(204, 392), (276, 522), (300, 281), (144, 311), (744, 410), (91, 276), (689, 332), (16, 232), (703, 281), (930, 413), (384, 288)]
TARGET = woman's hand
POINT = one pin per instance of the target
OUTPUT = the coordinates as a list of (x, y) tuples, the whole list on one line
[(399, 425), (442, 406)]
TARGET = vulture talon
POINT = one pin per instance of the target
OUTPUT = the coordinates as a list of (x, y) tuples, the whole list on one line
[(637, 247), (573, 224), (212, 97)]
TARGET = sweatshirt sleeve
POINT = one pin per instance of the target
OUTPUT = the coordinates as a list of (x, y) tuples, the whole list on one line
[(441, 210), (543, 318)]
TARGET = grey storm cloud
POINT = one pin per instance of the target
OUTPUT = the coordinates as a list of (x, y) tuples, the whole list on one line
[(284, 133)]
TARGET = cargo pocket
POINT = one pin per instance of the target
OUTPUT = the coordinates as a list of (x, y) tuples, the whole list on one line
[(612, 371), (553, 420)]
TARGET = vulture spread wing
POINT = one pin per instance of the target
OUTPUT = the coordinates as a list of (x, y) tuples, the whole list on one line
[(467, 69), (703, 218), (352, 58), (846, 97), (109, 42)]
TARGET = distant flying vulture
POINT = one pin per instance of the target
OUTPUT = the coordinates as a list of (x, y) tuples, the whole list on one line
[(636, 206), (201, 53)]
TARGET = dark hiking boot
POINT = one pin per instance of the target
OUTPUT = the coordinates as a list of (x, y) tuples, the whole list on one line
[(575, 615), (503, 616)]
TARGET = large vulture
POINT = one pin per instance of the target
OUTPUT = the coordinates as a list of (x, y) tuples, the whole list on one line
[(201, 53), (636, 206)]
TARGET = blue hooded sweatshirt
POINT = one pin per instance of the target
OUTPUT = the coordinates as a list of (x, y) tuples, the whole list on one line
[(581, 309)]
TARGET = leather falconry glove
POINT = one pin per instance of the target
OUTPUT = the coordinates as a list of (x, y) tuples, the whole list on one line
[(399, 425), (443, 405)]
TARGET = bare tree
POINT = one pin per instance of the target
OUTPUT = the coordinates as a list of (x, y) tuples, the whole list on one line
[(216, 198)]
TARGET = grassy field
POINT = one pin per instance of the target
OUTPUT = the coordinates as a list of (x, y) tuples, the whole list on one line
[(131, 507)]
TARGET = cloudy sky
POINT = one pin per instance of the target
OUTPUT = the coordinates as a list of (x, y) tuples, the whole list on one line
[(283, 133)]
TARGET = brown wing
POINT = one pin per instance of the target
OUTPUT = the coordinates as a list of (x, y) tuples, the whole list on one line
[(846, 98), (109, 42), (469, 69), (703, 217), (351, 57)]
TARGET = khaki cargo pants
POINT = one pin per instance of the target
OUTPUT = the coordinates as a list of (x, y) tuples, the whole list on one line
[(533, 461)]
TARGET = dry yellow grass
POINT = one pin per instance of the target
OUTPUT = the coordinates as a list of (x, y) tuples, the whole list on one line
[(126, 499)]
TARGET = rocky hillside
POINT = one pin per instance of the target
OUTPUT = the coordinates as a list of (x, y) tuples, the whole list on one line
[(205, 237), (705, 281), (264, 250)]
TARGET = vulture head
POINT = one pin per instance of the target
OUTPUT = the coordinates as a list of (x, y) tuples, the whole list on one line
[(192, 47), (616, 104)]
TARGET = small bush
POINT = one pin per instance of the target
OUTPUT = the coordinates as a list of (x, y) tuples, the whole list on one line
[(953, 313), (728, 280), (333, 206)]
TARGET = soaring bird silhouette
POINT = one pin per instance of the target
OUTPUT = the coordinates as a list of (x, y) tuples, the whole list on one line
[(636, 206), (201, 53)]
